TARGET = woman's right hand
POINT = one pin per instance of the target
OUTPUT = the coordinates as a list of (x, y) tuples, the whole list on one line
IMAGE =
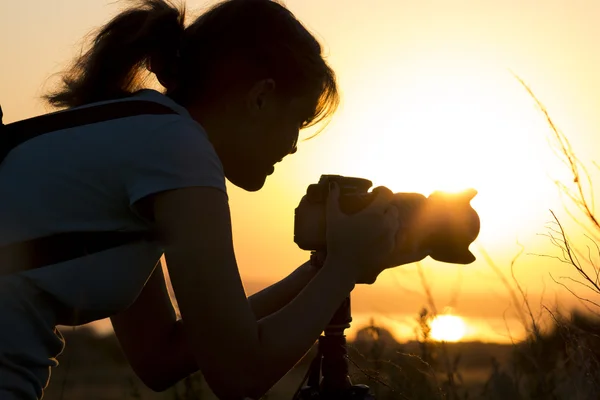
[(365, 240)]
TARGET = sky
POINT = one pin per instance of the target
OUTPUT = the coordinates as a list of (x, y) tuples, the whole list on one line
[(430, 102)]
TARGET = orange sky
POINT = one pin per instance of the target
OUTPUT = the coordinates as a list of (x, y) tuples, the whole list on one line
[(428, 103)]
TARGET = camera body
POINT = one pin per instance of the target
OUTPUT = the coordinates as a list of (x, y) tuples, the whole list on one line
[(445, 224)]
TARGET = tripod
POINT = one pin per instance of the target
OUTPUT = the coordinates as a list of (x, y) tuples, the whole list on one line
[(327, 377)]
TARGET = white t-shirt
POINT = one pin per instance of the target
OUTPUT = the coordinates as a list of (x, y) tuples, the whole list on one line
[(87, 179)]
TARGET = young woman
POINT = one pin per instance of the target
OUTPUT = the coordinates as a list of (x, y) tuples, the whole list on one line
[(242, 80)]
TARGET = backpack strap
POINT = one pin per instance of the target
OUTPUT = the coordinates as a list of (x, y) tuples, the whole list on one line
[(19, 132), (60, 247)]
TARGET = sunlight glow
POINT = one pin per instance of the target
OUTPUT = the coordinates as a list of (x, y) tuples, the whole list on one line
[(448, 328), (453, 125)]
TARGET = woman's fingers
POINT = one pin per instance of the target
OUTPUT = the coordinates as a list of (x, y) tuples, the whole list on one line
[(383, 197), (392, 220), (333, 202)]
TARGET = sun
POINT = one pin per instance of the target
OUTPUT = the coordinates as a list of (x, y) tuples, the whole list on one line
[(448, 328)]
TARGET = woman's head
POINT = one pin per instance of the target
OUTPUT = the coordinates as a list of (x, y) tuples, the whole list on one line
[(247, 70)]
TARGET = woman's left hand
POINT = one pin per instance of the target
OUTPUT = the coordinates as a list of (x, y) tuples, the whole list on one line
[(408, 247)]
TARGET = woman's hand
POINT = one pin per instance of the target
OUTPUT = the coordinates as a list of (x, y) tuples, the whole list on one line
[(364, 241), (409, 246)]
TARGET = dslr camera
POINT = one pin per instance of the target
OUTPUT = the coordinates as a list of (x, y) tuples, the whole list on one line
[(445, 224)]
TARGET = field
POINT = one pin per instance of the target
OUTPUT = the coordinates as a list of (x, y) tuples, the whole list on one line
[(560, 365)]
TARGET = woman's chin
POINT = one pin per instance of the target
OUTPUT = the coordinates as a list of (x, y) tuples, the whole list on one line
[(250, 183)]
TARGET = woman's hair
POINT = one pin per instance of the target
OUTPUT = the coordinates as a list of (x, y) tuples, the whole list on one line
[(233, 44)]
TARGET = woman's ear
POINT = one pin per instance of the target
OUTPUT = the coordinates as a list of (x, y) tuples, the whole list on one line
[(260, 95)]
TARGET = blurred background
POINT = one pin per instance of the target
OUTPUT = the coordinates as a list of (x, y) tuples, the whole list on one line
[(431, 101)]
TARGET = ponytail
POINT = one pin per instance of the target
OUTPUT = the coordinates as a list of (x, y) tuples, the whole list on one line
[(145, 36)]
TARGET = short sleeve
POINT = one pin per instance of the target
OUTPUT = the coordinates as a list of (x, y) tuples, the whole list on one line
[(174, 155)]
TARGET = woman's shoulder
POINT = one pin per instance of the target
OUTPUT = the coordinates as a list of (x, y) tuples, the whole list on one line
[(168, 133), (137, 132), (174, 152), (158, 97), (178, 125)]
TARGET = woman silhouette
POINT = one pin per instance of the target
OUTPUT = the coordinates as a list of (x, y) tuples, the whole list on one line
[(242, 80)]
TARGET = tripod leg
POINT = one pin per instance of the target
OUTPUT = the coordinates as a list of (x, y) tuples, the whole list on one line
[(328, 375)]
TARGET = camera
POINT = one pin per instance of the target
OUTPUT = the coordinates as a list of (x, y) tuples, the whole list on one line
[(445, 224)]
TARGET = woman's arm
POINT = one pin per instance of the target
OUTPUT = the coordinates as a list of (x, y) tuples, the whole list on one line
[(153, 340), (274, 297), (238, 355)]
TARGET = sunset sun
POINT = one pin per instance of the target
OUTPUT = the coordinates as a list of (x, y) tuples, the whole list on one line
[(448, 328)]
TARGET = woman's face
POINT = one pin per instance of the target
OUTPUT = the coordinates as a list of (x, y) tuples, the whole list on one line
[(262, 135)]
